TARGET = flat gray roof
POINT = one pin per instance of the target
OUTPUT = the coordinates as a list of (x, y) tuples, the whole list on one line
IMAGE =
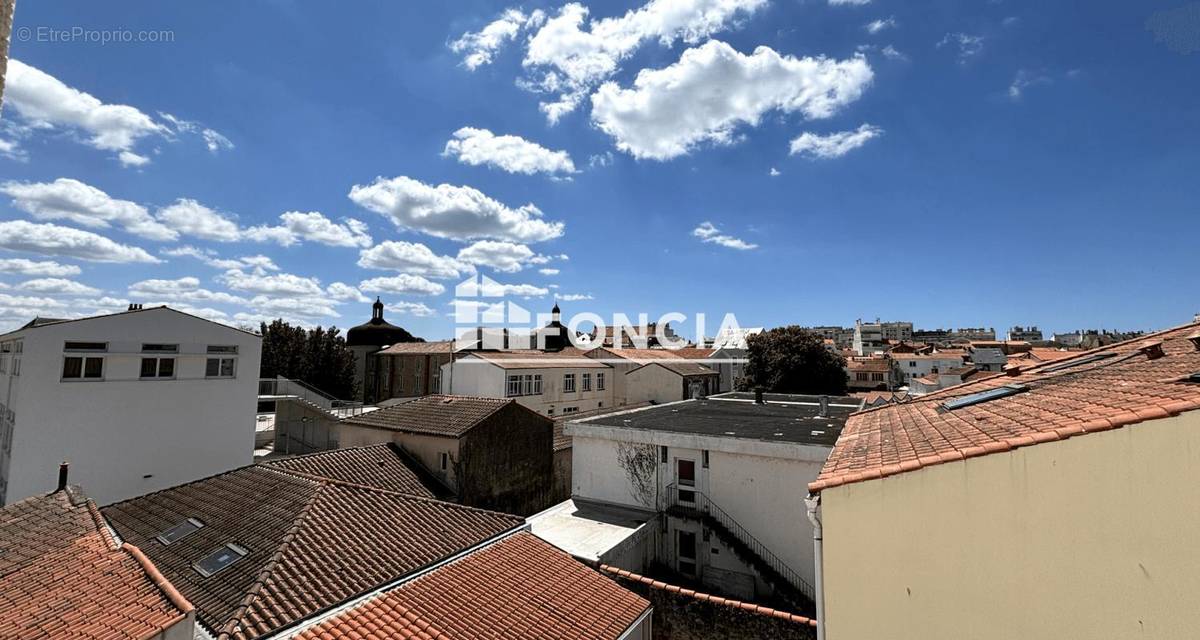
[(782, 418)]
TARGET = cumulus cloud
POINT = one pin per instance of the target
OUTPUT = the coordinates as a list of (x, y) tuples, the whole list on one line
[(189, 217), (404, 283), (507, 257), (875, 26), (315, 227), (513, 154), (410, 308), (58, 286), (181, 289), (410, 257), (47, 268), (343, 291), (774, 173), (713, 89), (45, 102), (547, 271), (448, 211), (131, 159), (834, 145), (707, 232), (568, 58), (214, 141), (258, 263), (492, 289), (66, 242), (575, 297), (479, 47), (274, 284), (12, 150), (69, 199), (967, 45)]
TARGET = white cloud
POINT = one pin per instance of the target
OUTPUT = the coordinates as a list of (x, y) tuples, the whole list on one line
[(258, 263), (343, 291), (448, 211), (410, 257), (707, 232), (131, 159), (55, 240), (713, 89), (774, 172), (600, 160), (214, 141), (58, 286), (12, 150), (492, 289), (834, 145), (848, 3), (507, 257), (69, 199), (404, 283), (410, 308), (575, 297), (181, 289), (1023, 80), (298, 307), (32, 268), (191, 218), (513, 154), (875, 26), (314, 227), (275, 284), (566, 58), (967, 44), (548, 271), (479, 47), (45, 103)]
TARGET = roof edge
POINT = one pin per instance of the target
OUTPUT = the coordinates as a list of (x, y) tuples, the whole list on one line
[(159, 579)]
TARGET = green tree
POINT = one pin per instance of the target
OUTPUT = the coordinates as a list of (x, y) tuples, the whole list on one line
[(317, 356), (792, 360)]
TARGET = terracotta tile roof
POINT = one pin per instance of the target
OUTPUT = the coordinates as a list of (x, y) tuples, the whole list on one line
[(63, 576), (382, 466), (519, 587), (536, 360), (311, 543), (419, 348), (706, 597), (877, 365), (438, 415), (1126, 388)]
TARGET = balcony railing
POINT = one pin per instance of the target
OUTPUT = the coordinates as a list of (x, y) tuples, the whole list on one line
[(690, 502), (291, 388)]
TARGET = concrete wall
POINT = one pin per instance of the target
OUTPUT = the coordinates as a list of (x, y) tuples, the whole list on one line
[(122, 435), (1089, 537), (506, 463), (653, 383)]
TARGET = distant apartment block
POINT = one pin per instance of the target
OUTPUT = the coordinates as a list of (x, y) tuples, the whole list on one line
[(873, 337), (135, 401), (943, 337), (408, 370), (552, 384), (1025, 334), (842, 337)]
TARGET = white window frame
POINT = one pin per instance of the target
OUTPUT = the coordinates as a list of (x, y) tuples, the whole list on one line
[(512, 386), (587, 382), (568, 383), (83, 363), (600, 381), (221, 360), (158, 373)]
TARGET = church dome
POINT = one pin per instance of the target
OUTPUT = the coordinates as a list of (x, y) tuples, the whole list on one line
[(377, 332)]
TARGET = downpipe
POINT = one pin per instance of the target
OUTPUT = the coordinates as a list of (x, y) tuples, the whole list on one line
[(813, 506)]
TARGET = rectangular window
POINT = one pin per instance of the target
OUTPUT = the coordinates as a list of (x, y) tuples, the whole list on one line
[(93, 368), (663, 454), (567, 410), (587, 382), (527, 385), (537, 384), (16, 368), (219, 368), (687, 552), (687, 472), (514, 386), (72, 368), (222, 348), (179, 531), (77, 367), (220, 559), (568, 383), (600, 382), (861, 377), (704, 461), (160, 348), (158, 367), (85, 346), (445, 461)]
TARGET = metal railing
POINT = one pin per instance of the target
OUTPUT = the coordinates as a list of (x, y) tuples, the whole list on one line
[(292, 388), (699, 505)]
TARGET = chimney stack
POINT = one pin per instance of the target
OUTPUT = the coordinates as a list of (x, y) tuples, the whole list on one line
[(62, 476)]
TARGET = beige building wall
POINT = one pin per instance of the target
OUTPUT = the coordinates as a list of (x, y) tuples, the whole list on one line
[(427, 449), (1091, 537)]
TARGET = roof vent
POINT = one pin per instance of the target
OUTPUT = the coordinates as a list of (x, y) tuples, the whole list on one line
[(1012, 370), (1195, 340), (135, 306), (1152, 350)]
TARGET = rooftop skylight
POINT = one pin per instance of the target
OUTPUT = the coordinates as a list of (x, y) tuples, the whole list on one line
[(181, 530), (984, 396), (220, 559)]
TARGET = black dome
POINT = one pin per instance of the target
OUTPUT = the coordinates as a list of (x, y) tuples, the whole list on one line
[(377, 332)]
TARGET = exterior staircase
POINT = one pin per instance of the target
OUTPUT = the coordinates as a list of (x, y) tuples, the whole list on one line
[(787, 584), (290, 390)]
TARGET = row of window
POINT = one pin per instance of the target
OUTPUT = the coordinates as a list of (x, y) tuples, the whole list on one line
[(147, 347), (863, 376), (531, 384), (569, 382), (215, 561), (92, 368), (5, 369)]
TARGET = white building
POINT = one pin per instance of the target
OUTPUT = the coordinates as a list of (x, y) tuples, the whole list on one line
[(553, 384), (134, 401), (726, 474), (915, 365)]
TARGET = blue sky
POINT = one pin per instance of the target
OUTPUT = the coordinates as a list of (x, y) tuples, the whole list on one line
[(950, 163)]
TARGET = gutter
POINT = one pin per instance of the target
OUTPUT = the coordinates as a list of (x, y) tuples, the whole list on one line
[(813, 506)]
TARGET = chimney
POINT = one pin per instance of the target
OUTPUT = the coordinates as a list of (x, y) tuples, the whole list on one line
[(758, 395), (824, 407), (62, 476), (135, 306)]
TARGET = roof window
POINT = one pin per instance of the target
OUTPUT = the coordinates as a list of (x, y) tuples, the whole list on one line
[(220, 559), (179, 531), (984, 396), (1097, 357)]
